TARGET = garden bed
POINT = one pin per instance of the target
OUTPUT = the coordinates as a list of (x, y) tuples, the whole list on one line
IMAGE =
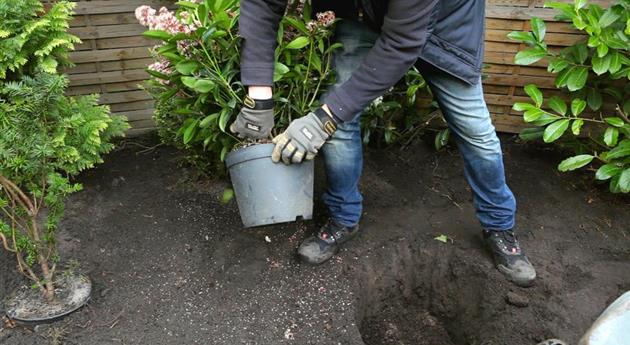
[(171, 265)]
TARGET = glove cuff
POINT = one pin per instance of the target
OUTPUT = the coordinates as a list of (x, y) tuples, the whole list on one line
[(329, 125), (258, 104)]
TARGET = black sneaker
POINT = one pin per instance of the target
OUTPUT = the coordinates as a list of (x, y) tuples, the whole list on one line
[(509, 258), (323, 245)]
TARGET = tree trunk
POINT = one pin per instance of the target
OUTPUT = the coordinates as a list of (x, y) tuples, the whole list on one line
[(49, 287)]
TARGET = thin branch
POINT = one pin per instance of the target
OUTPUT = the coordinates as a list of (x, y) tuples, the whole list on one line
[(622, 114), (27, 271), (5, 244), (13, 220), (16, 190)]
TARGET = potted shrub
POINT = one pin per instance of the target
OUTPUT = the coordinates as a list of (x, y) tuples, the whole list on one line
[(195, 82), (47, 138)]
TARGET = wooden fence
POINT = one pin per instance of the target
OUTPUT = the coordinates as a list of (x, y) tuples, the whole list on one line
[(113, 56)]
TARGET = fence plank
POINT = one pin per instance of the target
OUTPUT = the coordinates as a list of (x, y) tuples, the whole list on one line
[(113, 55)]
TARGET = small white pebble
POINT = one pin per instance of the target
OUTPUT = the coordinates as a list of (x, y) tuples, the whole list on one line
[(267, 239)]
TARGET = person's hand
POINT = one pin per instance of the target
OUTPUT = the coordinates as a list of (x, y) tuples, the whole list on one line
[(255, 120), (303, 138)]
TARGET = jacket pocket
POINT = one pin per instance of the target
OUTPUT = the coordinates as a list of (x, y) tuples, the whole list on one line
[(460, 29)]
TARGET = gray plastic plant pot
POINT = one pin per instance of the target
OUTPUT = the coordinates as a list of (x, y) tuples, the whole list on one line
[(268, 192)]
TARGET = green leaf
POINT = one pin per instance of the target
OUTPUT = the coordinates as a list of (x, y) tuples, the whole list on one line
[(204, 85), (441, 139), (157, 74), (609, 17), (622, 150), (580, 52), (531, 133), (224, 152), (602, 50), (577, 106), (190, 131), (557, 65), (535, 94), (601, 64), (523, 36), (580, 4), (563, 77), (577, 78), (157, 34), (521, 106), (624, 181), (614, 185), (616, 42), (208, 120), (607, 171), (532, 115), (202, 13), (228, 195), (615, 62), (576, 126), (173, 57), (443, 238), (558, 105), (297, 24), (575, 162), (594, 98), (223, 120), (187, 4), (610, 136), (546, 119), (614, 121), (538, 28), (298, 43), (613, 92), (189, 81), (530, 56), (555, 130), (279, 71), (187, 67)]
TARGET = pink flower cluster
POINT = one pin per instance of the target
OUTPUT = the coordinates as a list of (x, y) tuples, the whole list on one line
[(163, 20), (325, 18), (161, 66)]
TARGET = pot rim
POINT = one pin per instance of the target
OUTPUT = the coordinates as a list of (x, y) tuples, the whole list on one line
[(256, 151)]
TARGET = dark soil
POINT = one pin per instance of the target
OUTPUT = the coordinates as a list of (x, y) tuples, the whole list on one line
[(172, 265)]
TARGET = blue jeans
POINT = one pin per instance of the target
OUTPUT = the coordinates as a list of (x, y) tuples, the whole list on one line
[(467, 116)]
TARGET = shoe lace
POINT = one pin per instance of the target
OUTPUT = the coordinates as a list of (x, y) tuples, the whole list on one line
[(508, 240)]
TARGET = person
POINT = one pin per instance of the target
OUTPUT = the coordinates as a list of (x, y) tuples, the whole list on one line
[(381, 41)]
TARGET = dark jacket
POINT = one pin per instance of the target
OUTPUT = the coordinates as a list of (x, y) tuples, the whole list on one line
[(445, 33)]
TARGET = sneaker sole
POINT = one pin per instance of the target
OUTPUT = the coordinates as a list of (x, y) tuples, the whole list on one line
[(508, 274), (311, 262)]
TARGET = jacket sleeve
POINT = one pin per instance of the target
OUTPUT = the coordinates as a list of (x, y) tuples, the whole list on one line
[(404, 33), (258, 26)]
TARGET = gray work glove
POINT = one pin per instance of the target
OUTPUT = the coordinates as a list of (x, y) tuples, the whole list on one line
[(255, 120), (303, 138)]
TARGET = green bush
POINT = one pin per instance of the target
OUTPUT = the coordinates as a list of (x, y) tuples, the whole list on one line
[(398, 117), (593, 73), (195, 79), (32, 40), (47, 138)]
